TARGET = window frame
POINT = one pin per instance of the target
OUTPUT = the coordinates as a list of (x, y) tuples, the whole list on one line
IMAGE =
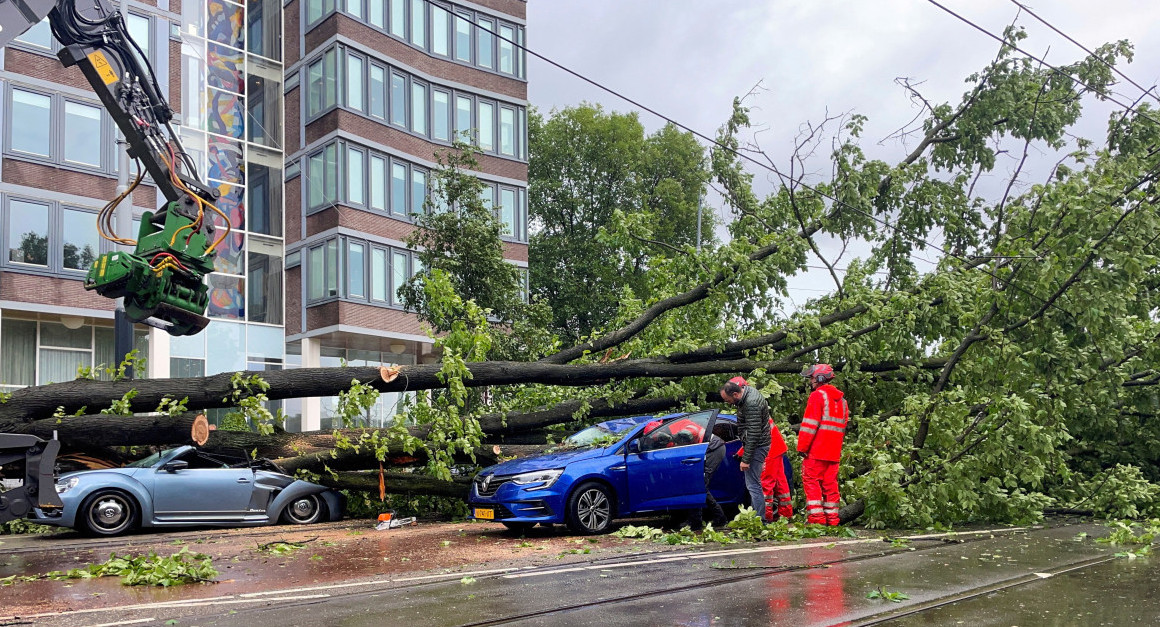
[(55, 225)]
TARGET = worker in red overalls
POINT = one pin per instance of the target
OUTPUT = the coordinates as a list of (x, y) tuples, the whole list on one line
[(773, 481), (820, 443)]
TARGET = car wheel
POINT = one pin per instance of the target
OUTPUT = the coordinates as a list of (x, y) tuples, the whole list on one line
[(303, 510), (109, 513), (590, 509), (519, 527)]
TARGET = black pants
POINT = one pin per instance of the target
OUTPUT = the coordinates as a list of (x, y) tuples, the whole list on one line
[(713, 458)]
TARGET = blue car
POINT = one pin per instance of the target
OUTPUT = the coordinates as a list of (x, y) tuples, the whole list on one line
[(186, 486), (612, 470)]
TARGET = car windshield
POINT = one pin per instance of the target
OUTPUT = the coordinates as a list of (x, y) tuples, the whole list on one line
[(592, 437), (148, 461)]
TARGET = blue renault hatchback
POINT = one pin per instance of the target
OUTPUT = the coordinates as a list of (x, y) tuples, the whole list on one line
[(612, 470)]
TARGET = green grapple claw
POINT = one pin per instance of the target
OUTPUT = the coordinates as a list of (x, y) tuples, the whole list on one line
[(173, 298)]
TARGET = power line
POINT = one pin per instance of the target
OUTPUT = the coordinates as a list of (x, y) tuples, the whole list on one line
[(1001, 40), (1147, 92)]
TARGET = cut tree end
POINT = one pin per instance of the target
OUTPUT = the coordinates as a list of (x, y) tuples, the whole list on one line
[(389, 373), (200, 431)]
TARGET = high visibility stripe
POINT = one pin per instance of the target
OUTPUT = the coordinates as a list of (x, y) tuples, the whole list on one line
[(813, 502), (829, 428), (829, 504), (812, 421), (783, 495), (816, 510), (808, 430)]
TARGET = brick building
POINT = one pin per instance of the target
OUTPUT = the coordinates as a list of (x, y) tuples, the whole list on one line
[(318, 122)]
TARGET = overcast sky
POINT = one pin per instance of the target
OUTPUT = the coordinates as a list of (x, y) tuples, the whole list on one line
[(689, 58)]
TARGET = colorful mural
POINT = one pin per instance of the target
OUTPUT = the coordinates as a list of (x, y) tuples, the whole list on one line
[(227, 114), (225, 160), (225, 24), (225, 68), (226, 298), (230, 258), (232, 204)]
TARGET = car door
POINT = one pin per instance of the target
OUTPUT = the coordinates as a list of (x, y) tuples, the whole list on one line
[(665, 472), (207, 490)]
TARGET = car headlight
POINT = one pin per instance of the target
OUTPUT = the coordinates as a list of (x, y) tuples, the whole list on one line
[(543, 477), (64, 485)]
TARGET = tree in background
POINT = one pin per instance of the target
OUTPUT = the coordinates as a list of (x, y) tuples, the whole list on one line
[(589, 169)]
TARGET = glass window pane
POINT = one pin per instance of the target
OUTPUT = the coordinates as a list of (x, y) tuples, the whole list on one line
[(355, 270), (486, 126), (330, 183), (419, 108), (377, 13), (463, 119), (57, 366), (226, 334), (441, 115), (317, 274), (419, 23), (439, 28), (39, 35), (398, 99), (485, 44), (463, 37), (330, 84), (80, 240), (28, 232), (354, 176), (399, 18), (354, 7), (18, 345), (378, 274), (82, 130), (378, 94), (332, 268), (399, 273), (265, 186), (31, 112), (264, 282), (418, 190), (507, 131), (227, 299), (314, 180), (354, 82), (264, 32), (399, 188), (506, 49), (507, 210), (378, 180), (314, 87), (138, 27), (53, 334), (182, 368)]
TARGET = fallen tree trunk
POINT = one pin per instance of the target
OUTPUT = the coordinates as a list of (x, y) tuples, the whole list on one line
[(399, 483), (107, 430)]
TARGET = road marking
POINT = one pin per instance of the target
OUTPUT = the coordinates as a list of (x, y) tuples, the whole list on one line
[(752, 550), (356, 584), (127, 622), (1043, 575)]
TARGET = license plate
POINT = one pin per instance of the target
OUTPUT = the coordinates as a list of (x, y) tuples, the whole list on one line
[(485, 514)]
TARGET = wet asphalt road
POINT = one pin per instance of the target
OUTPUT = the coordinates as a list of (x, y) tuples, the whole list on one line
[(1039, 576)]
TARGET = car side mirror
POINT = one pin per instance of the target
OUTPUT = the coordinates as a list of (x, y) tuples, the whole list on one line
[(174, 466), (634, 446)]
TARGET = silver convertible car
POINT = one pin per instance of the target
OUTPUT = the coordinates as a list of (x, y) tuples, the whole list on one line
[(185, 486)]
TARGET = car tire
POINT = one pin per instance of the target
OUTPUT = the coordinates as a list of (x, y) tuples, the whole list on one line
[(304, 510), (519, 527), (591, 509), (109, 513)]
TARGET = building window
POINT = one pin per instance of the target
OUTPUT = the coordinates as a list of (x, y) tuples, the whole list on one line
[(31, 122), (354, 176), (463, 127), (80, 244), (264, 281), (378, 180), (440, 27), (140, 29), (398, 189), (28, 232), (419, 23), (322, 176), (506, 50), (441, 115), (399, 18), (398, 99), (419, 108), (354, 7), (507, 131), (322, 84), (463, 37), (485, 40), (379, 274), (355, 270), (316, 10), (317, 285), (399, 272), (39, 36), (378, 93), (507, 210), (82, 128), (418, 190), (354, 82), (486, 126), (377, 13)]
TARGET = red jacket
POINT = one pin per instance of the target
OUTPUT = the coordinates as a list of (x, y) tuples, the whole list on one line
[(824, 424), (777, 444)]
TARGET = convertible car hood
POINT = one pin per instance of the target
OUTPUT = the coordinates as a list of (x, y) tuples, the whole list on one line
[(542, 462), (129, 472)]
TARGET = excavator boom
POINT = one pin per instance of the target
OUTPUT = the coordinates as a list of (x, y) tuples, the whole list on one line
[(39, 477)]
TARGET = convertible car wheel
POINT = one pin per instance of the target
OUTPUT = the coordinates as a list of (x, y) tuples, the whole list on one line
[(109, 513), (304, 510), (590, 509)]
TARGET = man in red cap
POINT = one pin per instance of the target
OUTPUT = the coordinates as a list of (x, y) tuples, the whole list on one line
[(773, 481), (820, 443)]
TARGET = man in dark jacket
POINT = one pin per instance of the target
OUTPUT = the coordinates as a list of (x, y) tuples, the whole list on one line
[(714, 455), (753, 421)]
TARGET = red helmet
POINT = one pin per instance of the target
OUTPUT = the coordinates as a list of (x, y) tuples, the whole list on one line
[(739, 381), (651, 426), (819, 373)]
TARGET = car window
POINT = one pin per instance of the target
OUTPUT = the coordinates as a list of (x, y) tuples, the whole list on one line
[(148, 461), (680, 431), (198, 459), (591, 437), (725, 430)]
